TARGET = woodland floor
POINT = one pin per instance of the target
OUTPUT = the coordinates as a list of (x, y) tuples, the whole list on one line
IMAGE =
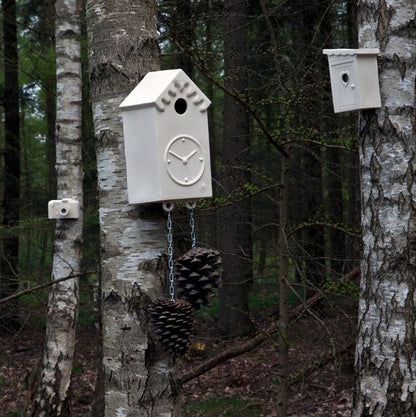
[(251, 377)]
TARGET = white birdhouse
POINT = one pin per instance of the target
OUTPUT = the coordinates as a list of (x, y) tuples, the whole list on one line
[(166, 139), (354, 78)]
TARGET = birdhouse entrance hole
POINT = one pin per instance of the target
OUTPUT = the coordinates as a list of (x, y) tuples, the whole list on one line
[(180, 106), (345, 78)]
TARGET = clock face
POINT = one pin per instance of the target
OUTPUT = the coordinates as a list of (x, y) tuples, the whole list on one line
[(184, 160)]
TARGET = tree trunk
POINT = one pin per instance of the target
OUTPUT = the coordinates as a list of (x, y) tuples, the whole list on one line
[(183, 34), (283, 361), (47, 26), (47, 29), (386, 345), (138, 378), (53, 398), (236, 241), (10, 200), (334, 208), (352, 244), (312, 19)]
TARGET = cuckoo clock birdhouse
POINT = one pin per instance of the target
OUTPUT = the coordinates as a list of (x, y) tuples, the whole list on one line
[(354, 78), (165, 123)]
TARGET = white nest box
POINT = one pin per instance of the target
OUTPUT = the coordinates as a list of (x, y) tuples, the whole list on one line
[(166, 139), (354, 78)]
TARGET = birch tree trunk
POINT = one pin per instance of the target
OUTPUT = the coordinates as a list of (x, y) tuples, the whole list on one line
[(53, 397), (138, 377), (386, 346)]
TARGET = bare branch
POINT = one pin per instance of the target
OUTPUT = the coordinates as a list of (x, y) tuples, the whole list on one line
[(41, 286)]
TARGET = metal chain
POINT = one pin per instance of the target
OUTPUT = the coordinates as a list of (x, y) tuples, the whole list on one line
[(168, 208), (170, 259), (192, 225), (191, 206)]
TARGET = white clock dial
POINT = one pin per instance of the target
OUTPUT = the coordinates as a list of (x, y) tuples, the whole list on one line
[(184, 160)]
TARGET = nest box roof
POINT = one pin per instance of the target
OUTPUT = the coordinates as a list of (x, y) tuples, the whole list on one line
[(351, 52), (160, 88)]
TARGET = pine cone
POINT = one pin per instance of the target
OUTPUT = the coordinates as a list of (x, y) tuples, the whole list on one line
[(172, 322), (198, 275)]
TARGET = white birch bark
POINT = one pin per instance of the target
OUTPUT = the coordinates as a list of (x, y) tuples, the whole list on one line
[(386, 344), (54, 387), (138, 378)]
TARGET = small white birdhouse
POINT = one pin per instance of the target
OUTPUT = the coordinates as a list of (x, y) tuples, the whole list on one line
[(166, 139), (354, 78)]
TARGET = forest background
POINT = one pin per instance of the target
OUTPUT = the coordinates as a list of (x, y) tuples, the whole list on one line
[(271, 123)]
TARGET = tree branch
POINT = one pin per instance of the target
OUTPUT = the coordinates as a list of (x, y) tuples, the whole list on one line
[(39, 287), (234, 95), (257, 340)]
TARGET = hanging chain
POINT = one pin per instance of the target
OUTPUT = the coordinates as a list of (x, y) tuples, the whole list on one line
[(192, 224), (191, 206), (168, 208), (170, 259)]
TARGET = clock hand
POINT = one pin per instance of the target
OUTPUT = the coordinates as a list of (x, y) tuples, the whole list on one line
[(177, 156), (190, 155)]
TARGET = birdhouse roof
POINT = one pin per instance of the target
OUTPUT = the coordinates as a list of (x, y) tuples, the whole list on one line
[(160, 88), (352, 52)]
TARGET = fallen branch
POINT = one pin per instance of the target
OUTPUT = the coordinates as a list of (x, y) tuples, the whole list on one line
[(247, 346), (235, 351)]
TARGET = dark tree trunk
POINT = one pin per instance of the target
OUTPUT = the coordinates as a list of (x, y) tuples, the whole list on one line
[(334, 158), (335, 212), (236, 222), (47, 31), (283, 361), (353, 246), (310, 17), (9, 238), (183, 34)]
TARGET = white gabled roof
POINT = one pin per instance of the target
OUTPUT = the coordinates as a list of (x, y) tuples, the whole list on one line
[(160, 88), (352, 52)]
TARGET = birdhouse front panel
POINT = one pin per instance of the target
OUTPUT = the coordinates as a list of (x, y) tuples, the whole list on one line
[(344, 91), (167, 139)]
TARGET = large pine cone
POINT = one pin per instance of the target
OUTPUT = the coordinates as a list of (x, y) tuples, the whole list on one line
[(198, 274), (172, 322)]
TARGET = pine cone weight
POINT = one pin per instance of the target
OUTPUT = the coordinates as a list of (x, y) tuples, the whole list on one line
[(198, 274), (173, 323)]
